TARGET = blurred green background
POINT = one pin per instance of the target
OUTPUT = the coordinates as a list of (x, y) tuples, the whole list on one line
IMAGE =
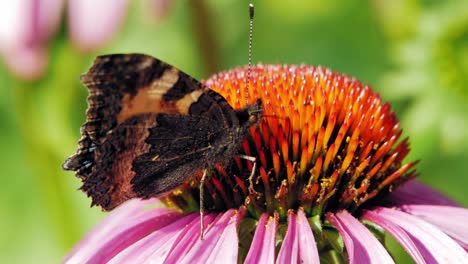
[(415, 53)]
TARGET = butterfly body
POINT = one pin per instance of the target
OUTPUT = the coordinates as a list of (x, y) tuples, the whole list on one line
[(150, 128)]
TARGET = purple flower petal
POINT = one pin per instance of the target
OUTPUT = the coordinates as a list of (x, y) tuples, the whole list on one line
[(112, 221), (14, 23), (414, 192), (110, 236), (226, 248), (299, 243), (289, 249), (220, 242), (451, 220), (28, 23), (25, 27), (188, 239), (94, 23), (262, 249), (361, 245), (28, 63), (434, 245), (308, 252), (398, 233), (50, 15), (158, 245)]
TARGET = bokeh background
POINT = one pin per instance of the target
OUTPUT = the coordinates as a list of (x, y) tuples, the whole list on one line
[(415, 53)]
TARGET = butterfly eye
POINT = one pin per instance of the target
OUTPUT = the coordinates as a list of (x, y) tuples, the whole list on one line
[(252, 119)]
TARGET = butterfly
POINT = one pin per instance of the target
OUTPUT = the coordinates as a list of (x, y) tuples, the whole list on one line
[(150, 127)]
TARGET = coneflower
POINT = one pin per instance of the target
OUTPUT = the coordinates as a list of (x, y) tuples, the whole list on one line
[(329, 168)]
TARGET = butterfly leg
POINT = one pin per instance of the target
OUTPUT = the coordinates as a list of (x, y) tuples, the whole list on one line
[(202, 192), (252, 173)]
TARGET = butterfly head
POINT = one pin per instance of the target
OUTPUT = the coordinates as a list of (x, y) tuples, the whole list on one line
[(249, 116), (255, 112)]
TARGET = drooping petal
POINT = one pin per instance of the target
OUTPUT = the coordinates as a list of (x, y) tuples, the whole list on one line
[(308, 252), (361, 245), (290, 248), (224, 248), (188, 239), (414, 192), (112, 221), (299, 243), (93, 23), (158, 245), (111, 236), (262, 249), (451, 220), (433, 244), (220, 242), (398, 233)]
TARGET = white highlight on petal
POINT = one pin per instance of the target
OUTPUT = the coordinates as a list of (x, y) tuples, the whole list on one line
[(433, 244), (361, 245), (398, 233), (451, 220)]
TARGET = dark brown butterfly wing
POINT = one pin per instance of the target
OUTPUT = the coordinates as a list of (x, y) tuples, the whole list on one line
[(149, 128)]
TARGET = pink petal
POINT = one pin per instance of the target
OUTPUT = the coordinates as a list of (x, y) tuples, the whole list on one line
[(94, 23), (121, 228), (289, 251), (262, 249), (113, 220), (434, 245), (451, 220), (157, 246), (14, 22), (50, 16), (188, 239), (299, 243), (28, 23), (25, 27), (27, 63), (361, 245), (414, 192), (220, 242), (308, 252), (399, 234), (227, 246)]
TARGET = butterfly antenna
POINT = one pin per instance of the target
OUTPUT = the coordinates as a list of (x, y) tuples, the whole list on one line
[(251, 17)]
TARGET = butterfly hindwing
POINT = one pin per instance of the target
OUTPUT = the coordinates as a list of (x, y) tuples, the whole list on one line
[(150, 154), (181, 145), (108, 182)]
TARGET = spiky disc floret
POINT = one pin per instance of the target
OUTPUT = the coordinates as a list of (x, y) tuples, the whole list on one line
[(325, 142)]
